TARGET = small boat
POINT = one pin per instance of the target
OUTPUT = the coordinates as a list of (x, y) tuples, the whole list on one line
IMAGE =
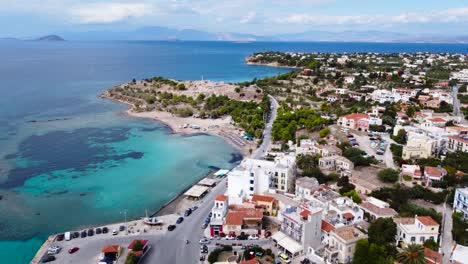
[(151, 220)]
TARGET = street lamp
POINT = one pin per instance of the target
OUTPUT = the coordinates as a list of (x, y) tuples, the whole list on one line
[(125, 216)]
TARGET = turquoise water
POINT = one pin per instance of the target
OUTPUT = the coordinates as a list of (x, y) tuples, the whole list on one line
[(69, 159)]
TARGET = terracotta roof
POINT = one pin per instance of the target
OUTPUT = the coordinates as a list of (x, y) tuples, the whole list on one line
[(437, 119), (378, 210), (221, 198), (433, 171), (110, 249), (348, 215), (327, 227), (404, 220), (427, 221), (305, 213), (237, 217), (432, 257), (356, 116), (262, 198), (460, 139), (252, 261)]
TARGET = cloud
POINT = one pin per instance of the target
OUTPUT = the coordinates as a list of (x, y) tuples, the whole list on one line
[(445, 16), (110, 12), (249, 18)]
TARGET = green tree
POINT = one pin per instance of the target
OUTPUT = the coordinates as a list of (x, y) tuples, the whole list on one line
[(131, 259), (370, 253), (388, 175), (382, 231), (401, 137), (324, 132), (137, 246), (413, 254), (431, 244), (181, 86)]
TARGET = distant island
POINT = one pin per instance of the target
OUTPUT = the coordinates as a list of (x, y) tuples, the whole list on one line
[(50, 38)]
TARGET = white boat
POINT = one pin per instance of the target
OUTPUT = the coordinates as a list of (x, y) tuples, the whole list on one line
[(152, 220)]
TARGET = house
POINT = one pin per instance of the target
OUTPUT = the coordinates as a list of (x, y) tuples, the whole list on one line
[(460, 202), (267, 203), (351, 121), (259, 176), (432, 104), (363, 186), (457, 143), (342, 244), (306, 187), (218, 212), (436, 121), (412, 170), (349, 79), (336, 163), (327, 228), (245, 220), (418, 147), (326, 150), (416, 230), (300, 229), (433, 174), (376, 209)]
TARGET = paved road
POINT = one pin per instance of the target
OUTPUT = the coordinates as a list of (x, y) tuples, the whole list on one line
[(260, 152), (446, 240), (172, 247), (456, 105)]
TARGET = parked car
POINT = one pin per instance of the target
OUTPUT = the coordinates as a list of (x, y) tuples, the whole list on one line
[(204, 241), (115, 232), (171, 227), (179, 220), (121, 228), (60, 237), (98, 231), (75, 234), (105, 230), (284, 258), (204, 226), (267, 234), (48, 258), (231, 237), (188, 212), (73, 250), (54, 250), (90, 232), (68, 236), (253, 237), (83, 234), (194, 208)]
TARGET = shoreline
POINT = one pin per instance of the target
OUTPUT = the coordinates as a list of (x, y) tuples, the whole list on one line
[(220, 127), (273, 65)]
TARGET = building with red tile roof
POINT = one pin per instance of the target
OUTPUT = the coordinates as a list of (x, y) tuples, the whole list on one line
[(241, 220), (416, 230), (457, 143), (354, 121), (434, 174)]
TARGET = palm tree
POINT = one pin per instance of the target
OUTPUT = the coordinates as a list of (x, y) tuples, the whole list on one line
[(413, 254)]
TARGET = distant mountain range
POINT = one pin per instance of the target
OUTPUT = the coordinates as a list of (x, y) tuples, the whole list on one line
[(164, 33)]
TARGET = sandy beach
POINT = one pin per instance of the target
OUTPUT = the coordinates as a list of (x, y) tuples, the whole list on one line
[(221, 127)]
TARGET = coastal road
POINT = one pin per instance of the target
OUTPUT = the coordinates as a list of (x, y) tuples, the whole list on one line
[(172, 247), (260, 151)]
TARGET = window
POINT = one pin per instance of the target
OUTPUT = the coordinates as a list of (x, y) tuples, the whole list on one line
[(251, 188), (421, 239), (251, 181), (413, 239)]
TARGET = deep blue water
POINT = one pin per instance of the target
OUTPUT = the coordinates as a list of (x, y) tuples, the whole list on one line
[(62, 149)]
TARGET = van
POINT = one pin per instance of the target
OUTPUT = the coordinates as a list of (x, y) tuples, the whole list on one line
[(67, 236), (284, 258)]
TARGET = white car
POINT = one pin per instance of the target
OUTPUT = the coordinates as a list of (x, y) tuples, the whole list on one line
[(254, 237), (231, 237), (204, 241), (114, 232), (54, 250)]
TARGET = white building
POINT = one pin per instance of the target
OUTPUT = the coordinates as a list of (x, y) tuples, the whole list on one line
[(416, 230), (260, 176), (460, 202), (301, 228), (342, 244), (306, 187), (461, 76), (456, 143), (336, 163)]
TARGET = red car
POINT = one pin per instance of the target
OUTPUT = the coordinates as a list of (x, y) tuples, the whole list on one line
[(73, 250)]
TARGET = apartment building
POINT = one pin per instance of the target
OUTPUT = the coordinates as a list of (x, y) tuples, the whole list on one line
[(457, 143), (336, 163), (418, 147), (218, 212), (342, 244), (259, 176)]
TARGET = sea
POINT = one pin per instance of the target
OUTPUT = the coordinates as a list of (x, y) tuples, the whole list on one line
[(69, 159)]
